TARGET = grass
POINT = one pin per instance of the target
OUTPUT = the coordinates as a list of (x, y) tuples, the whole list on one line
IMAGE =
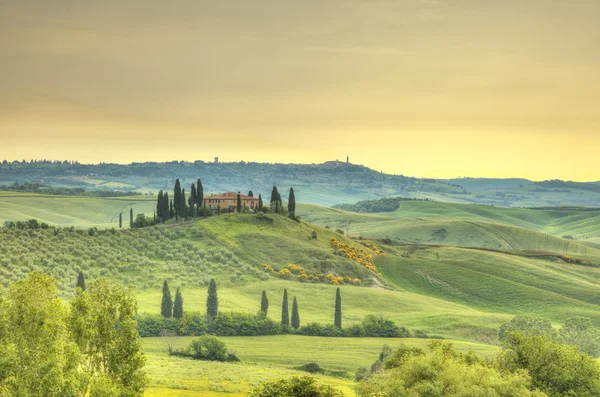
[(267, 358)]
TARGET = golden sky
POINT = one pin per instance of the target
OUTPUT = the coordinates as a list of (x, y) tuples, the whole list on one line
[(430, 88)]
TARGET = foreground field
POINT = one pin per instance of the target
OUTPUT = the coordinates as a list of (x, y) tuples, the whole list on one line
[(267, 358)]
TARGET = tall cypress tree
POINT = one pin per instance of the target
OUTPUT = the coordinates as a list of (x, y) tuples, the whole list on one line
[(239, 203), (292, 202), (160, 206), (166, 210), (264, 303), (295, 314), (199, 194), (260, 203), (285, 313), (171, 210), (193, 199), (274, 194), (120, 220), (178, 305), (177, 199), (250, 194), (183, 205), (166, 306), (212, 302), (131, 218), (338, 309), (80, 281)]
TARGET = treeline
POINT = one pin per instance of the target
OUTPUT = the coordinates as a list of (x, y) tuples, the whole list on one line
[(173, 320), (387, 204), (39, 188)]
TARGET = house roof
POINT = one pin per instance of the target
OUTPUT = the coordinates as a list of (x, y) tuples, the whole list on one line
[(230, 196)]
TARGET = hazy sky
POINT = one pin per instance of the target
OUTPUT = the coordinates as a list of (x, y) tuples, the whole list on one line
[(437, 88)]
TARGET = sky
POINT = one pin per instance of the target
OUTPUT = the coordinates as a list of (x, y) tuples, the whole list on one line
[(427, 88)]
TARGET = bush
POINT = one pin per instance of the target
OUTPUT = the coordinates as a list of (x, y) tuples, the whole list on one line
[(312, 368), (315, 329), (243, 324), (295, 387), (383, 328), (313, 235)]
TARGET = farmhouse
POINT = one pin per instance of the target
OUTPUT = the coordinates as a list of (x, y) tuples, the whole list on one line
[(229, 199)]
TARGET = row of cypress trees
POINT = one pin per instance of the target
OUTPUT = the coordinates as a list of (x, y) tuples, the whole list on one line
[(179, 206), (168, 308)]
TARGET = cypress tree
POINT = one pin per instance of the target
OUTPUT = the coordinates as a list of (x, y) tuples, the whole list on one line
[(295, 314), (285, 313), (274, 194), (260, 203), (292, 203), (212, 303), (160, 206), (81, 281), (120, 220), (183, 205), (264, 303), (131, 218), (166, 211), (178, 305), (338, 309), (166, 306), (192, 199), (171, 210), (177, 199), (239, 203), (218, 209), (199, 194), (250, 194)]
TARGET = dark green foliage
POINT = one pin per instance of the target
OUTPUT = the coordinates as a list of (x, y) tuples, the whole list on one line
[(285, 312), (177, 199), (131, 218), (313, 235), (183, 205), (65, 191), (388, 204), (160, 206), (294, 387), (81, 281), (191, 324), (210, 348), (166, 305), (193, 200), (316, 329), (199, 193), (260, 203), (120, 220), (295, 314), (292, 202), (338, 309), (178, 305), (171, 210), (528, 325), (264, 303), (375, 326), (244, 324), (250, 193), (212, 302), (556, 369), (165, 211), (580, 332), (239, 203), (141, 221), (311, 368)]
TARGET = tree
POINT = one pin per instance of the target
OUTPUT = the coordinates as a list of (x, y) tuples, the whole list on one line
[(580, 332), (166, 211), (304, 386), (260, 203), (212, 303), (208, 347), (177, 199), (528, 325), (160, 206), (120, 220), (183, 205), (264, 303), (292, 203), (250, 194), (102, 322), (193, 200), (131, 218), (178, 305), (274, 195), (239, 203), (338, 309), (38, 357), (199, 194), (285, 313), (80, 281), (166, 305), (295, 314), (171, 210)]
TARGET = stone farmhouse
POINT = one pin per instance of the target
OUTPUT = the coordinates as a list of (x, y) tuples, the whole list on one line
[(229, 199)]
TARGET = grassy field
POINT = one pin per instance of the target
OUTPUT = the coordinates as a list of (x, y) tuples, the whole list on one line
[(267, 358), (81, 212)]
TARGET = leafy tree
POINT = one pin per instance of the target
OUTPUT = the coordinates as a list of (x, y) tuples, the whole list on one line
[(166, 305), (250, 194), (295, 314), (285, 313), (38, 358), (177, 199), (292, 203), (208, 347), (264, 303), (528, 325), (580, 332), (212, 303), (239, 203), (193, 199), (178, 305), (260, 202), (338, 309), (556, 369), (304, 386), (102, 323), (81, 281)]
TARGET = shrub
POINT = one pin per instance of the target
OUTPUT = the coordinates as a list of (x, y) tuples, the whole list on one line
[(313, 235), (315, 329), (382, 327), (297, 387), (210, 348), (243, 324), (312, 368)]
